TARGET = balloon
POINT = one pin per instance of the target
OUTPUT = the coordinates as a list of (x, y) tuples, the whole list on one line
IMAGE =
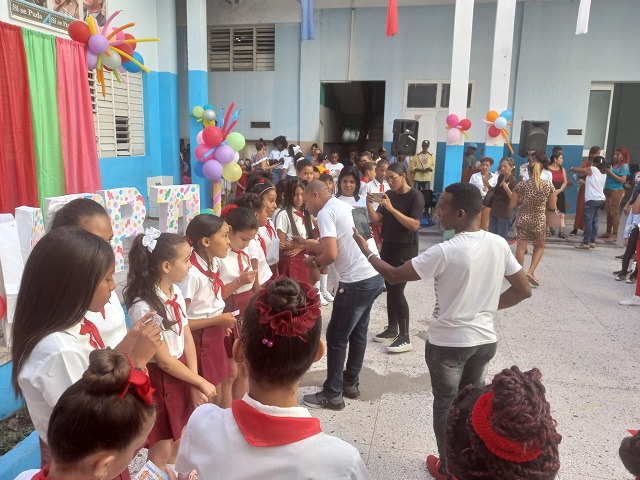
[(208, 106), (198, 111), (79, 31), (452, 120), (494, 132), (197, 169), (236, 157), (208, 123), (126, 48), (232, 172), (465, 124), (212, 136), (200, 151), (208, 211), (453, 135), (508, 114), (113, 62), (209, 114), (98, 43), (92, 60), (212, 170), (492, 115), (236, 141), (500, 123), (131, 67), (224, 154), (128, 36), (199, 138)]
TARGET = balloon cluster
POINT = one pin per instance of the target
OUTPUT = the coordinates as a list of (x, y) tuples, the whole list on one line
[(110, 48), (456, 128), (218, 147), (207, 115), (498, 123)]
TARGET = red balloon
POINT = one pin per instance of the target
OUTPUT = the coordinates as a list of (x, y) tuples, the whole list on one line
[(126, 48), (128, 36), (79, 31), (465, 124), (200, 151), (212, 136), (494, 132)]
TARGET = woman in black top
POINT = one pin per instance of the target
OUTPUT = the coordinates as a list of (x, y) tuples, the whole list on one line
[(501, 212), (399, 213)]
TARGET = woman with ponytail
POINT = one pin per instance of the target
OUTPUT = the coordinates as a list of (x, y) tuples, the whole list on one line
[(533, 198)]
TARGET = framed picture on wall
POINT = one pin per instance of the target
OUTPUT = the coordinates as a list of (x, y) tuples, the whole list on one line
[(96, 9), (70, 8)]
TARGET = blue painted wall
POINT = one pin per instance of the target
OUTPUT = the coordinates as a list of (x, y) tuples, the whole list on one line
[(25, 456), (8, 401)]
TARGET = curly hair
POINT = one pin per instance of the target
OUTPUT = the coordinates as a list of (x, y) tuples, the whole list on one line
[(520, 413), (630, 454)]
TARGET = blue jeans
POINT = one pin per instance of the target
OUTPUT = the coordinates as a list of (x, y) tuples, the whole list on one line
[(348, 326), (277, 175), (500, 226), (451, 369), (591, 210)]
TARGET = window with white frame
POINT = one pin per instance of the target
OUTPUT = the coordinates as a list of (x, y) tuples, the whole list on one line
[(119, 116), (432, 94), (243, 48)]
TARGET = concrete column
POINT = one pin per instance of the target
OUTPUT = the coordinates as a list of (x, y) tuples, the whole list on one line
[(459, 85), (197, 44), (501, 70)]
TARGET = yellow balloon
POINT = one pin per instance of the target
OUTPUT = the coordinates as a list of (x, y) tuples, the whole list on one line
[(208, 123), (232, 172)]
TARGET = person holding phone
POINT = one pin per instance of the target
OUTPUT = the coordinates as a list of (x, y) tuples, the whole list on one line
[(399, 213)]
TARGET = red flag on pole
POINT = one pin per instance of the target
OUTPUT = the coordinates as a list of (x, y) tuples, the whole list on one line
[(392, 18)]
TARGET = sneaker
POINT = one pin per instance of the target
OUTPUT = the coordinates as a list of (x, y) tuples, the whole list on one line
[(582, 246), (434, 467), (326, 295), (323, 301), (592, 245), (621, 276), (388, 334), (618, 257), (573, 232), (631, 302), (351, 391), (632, 279), (320, 400), (617, 272), (400, 344)]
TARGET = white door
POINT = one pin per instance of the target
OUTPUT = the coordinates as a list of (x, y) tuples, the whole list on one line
[(598, 117)]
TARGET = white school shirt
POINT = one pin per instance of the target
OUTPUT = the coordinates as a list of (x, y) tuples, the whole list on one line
[(361, 203), (275, 154), (524, 174), (467, 272), (374, 186), (594, 185), (290, 166), (28, 475), (476, 180), (334, 170), (256, 252), (214, 446), (173, 337), (112, 326), (335, 220), (198, 287), (272, 241), (230, 268), (284, 225), (56, 362)]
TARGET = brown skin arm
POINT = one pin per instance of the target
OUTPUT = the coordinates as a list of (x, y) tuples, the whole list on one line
[(518, 291)]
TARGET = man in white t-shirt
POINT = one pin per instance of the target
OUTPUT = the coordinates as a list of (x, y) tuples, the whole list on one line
[(468, 271), (350, 315)]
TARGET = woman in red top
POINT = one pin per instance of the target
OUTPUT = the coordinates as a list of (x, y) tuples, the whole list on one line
[(559, 179)]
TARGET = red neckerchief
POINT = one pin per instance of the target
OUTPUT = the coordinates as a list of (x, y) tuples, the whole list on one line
[(241, 254), (95, 339), (263, 244), (381, 188), (42, 474), (301, 215), (177, 311), (218, 284), (270, 229), (262, 430), (104, 315)]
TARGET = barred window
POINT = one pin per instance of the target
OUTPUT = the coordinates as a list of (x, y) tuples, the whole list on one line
[(237, 49)]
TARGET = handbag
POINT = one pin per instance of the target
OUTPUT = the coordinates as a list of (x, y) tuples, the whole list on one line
[(554, 219), (487, 201)]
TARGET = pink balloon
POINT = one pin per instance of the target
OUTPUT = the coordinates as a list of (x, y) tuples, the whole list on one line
[(199, 138), (200, 151), (224, 154), (212, 170), (452, 120), (453, 135)]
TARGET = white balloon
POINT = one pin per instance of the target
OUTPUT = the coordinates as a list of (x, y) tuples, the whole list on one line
[(209, 115), (113, 62), (236, 157), (500, 123)]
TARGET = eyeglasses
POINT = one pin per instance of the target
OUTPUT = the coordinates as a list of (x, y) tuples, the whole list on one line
[(392, 179)]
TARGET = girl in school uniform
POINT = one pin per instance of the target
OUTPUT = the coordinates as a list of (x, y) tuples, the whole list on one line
[(157, 261), (266, 434), (265, 190), (52, 337), (203, 292), (99, 422), (238, 276)]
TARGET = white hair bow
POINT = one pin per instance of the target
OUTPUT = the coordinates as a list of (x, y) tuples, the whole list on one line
[(149, 239)]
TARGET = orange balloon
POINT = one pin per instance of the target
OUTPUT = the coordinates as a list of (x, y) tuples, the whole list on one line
[(492, 115)]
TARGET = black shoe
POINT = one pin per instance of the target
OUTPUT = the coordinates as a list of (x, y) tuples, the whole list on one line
[(632, 278), (617, 272), (320, 400), (351, 391), (574, 232), (400, 344), (388, 334), (619, 257), (384, 288), (621, 277)]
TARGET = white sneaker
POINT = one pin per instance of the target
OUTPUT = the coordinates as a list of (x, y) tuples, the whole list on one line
[(326, 295), (323, 302), (631, 302)]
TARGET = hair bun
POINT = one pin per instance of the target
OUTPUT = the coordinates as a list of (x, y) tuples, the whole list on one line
[(630, 453), (108, 372), (284, 293)]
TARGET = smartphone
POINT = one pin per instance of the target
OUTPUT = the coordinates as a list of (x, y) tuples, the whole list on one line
[(157, 319), (378, 197), (361, 222)]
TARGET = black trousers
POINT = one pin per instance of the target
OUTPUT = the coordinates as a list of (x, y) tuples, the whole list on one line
[(630, 250), (395, 254)]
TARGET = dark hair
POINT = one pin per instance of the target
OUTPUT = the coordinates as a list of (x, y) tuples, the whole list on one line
[(91, 416), (58, 283), (259, 177), (322, 157), (465, 197), (203, 225), (593, 150), (287, 207), (398, 168), (314, 146), (554, 157), (302, 164), (600, 163), (326, 177), (145, 271), (629, 452), (316, 169), (349, 172), (252, 201), (241, 219), (542, 159), (556, 149), (289, 357), (76, 211), (280, 139), (280, 186), (487, 159), (260, 144), (520, 413), (368, 166)]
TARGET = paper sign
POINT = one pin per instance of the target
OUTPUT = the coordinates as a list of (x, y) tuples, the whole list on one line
[(169, 198), (30, 223), (150, 471), (11, 264)]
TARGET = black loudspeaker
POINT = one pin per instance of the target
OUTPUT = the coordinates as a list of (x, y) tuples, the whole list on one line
[(533, 136), (405, 137)]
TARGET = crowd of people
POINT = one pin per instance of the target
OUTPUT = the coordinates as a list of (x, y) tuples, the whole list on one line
[(226, 319)]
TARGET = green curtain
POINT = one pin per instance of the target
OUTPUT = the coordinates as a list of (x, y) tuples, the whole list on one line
[(41, 62)]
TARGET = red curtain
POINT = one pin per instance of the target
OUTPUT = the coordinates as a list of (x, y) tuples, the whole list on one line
[(18, 184), (75, 113)]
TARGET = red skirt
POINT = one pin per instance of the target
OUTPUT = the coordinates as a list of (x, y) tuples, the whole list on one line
[(294, 267), (212, 356), (237, 301), (173, 405)]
